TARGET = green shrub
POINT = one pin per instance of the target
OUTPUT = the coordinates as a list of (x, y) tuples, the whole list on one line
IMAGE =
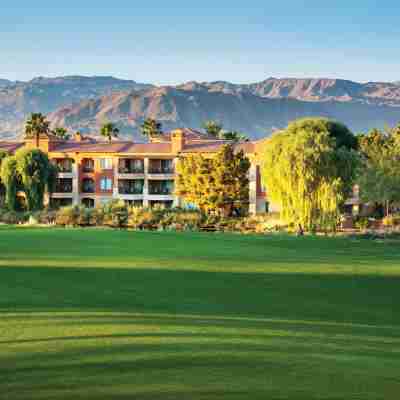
[(143, 218), (115, 214), (11, 217), (361, 223), (68, 216)]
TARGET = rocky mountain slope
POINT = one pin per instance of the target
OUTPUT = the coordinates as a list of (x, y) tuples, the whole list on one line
[(19, 99), (256, 109)]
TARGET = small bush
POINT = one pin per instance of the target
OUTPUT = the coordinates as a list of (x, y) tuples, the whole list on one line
[(11, 217), (362, 223), (68, 216), (115, 214)]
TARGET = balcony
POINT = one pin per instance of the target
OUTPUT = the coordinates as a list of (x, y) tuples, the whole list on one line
[(88, 185), (63, 185), (161, 167), (130, 186), (64, 165), (87, 165), (130, 166), (161, 188)]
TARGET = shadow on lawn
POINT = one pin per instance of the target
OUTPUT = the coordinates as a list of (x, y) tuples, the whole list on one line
[(366, 299)]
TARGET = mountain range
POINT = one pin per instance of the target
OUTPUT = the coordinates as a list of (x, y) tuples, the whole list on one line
[(84, 103)]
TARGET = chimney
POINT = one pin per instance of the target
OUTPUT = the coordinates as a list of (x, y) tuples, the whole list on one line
[(177, 140), (78, 137)]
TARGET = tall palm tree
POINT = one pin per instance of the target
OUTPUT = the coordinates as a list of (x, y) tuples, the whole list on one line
[(61, 133), (151, 128), (36, 124), (109, 130), (213, 128)]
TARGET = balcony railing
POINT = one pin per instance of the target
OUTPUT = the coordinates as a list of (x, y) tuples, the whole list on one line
[(162, 191), (64, 168), (161, 170), (63, 185), (64, 165), (63, 188), (87, 168), (133, 170), (130, 190)]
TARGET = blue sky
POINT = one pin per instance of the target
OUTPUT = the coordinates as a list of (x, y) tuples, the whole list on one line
[(173, 41)]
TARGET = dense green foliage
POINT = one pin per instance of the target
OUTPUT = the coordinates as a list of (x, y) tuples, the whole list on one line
[(3, 154), (309, 170), (216, 129), (109, 131), (31, 171), (107, 314), (61, 133), (151, 128), (214, 184), (9, 178), (36, 124), (379, 177)]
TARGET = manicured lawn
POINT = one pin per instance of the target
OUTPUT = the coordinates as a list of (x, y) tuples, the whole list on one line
[(101, 314)]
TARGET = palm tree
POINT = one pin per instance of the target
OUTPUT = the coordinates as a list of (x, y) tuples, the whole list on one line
[(61, 133), (36, 124), (109, 130), (151, 128), (213, 128)]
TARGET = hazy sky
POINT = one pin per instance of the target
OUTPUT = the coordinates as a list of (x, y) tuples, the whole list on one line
[(172, 41)]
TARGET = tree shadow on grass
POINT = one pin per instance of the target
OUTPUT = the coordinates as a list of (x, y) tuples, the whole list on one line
[(366, 299)]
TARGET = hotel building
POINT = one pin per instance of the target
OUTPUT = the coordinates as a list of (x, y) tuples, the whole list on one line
[(93, 172)]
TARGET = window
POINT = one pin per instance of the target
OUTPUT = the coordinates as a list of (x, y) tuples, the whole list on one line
[(105, 184), (106, 163), (88, 165), (88, 185)]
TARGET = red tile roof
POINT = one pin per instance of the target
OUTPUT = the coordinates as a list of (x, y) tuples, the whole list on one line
[(130, 147), (207, 147), (190, 135), (113, 147), (10, 147)]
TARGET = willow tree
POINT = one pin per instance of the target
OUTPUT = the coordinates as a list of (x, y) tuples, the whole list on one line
[(9, 178), (215, 184), (309, 170), (3, 154), (30, 171)]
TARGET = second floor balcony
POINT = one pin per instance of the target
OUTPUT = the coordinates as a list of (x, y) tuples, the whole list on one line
[(63, 185), (162, 188), (64, 165), (161, 166), (130, 166), (130, 186)]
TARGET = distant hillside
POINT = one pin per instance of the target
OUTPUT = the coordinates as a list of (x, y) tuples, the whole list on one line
[(257, 109), (18, 99), (315, 90), (191, 105)]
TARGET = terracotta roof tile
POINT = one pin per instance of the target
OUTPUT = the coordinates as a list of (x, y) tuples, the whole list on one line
[(207, 147), (10, 147), (114, 147), (190, 135)]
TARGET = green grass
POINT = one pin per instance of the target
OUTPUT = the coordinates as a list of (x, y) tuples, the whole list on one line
[(101, 314)]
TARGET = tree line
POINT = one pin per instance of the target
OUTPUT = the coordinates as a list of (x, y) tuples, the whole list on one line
[(313, 166), (309, 170)]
